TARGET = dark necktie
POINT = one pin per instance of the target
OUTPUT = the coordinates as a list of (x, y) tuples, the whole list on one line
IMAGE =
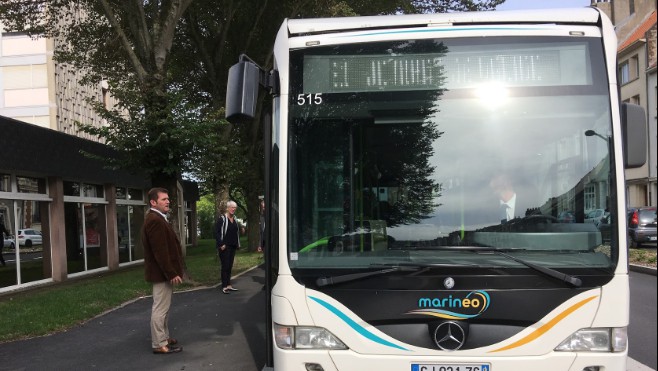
[(503, 213)]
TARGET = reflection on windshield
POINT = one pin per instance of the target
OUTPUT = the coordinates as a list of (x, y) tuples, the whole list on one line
[(374, 173)]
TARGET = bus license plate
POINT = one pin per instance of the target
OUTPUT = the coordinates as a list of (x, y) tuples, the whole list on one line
[(450, 367)]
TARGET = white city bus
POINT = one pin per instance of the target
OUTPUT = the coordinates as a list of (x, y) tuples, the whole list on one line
[(428, 179)]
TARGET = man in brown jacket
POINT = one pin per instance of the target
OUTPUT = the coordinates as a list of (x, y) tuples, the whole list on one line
[(163, 267)]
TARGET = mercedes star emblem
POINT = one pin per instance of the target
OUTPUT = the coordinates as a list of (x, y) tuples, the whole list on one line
[(449, 283), (449, 336)]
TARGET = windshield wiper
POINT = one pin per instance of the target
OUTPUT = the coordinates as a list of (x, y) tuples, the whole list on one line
[(573, 281), (397, 267), (333, 280)]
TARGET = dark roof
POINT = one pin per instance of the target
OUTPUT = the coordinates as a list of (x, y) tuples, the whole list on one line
[(29, 149), (639, 32)]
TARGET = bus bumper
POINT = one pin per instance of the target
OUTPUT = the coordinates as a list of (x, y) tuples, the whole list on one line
[(351, 361)]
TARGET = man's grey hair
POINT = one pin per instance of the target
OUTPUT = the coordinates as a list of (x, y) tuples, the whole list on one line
[(231, 203)]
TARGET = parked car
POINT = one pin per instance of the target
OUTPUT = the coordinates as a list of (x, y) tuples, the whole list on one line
[(29, 237), (9, 242), (566, 217), (595, 216), (641, 225)]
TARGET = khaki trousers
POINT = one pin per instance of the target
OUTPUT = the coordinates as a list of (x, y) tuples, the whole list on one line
[(162, 292)]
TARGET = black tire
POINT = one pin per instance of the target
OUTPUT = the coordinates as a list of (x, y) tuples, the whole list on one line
[(28, 243), (633, 243)]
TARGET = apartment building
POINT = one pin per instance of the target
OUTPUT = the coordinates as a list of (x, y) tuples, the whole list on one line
[(67, 215), (635, 25), (39, 91)]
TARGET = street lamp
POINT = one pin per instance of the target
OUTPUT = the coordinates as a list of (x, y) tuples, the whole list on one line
[(590, 133)]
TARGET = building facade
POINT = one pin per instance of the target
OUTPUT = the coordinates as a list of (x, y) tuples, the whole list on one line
[(635, 25), (37, 90), (66, 214)]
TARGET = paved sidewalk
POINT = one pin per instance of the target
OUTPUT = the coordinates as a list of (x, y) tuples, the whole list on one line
[(217, 332)]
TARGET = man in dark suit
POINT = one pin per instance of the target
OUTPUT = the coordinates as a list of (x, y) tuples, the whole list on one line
[(502, 186), (163, 267), (510, 205)]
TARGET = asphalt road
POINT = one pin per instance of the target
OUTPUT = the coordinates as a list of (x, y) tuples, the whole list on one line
[(217, 332), (642, 327), (226, 332)]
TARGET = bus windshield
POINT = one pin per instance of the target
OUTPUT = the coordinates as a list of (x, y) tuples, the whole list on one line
[(431, 151)]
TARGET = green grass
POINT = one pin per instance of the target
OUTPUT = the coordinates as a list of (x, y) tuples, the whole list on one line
[(642, 257), (57, 307)]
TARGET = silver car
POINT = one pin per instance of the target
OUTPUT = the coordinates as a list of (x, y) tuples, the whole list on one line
[(595, 216), (642, 225), (9, 242), (29, 237)]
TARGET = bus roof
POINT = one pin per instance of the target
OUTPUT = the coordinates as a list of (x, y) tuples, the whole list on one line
[(585, 15)]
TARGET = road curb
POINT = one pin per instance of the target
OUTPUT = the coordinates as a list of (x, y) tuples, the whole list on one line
[(643, 269)]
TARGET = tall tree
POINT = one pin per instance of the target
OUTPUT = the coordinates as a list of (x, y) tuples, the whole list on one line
[(235, 162), (167, 62)]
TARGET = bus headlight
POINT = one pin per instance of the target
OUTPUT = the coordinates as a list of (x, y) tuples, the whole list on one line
[(305, 337), (596, 340)]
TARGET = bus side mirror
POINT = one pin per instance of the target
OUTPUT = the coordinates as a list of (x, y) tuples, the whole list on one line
[(242, 91), (634, 135)]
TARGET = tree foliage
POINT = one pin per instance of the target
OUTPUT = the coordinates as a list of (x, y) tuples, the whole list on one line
[(167, 62), (205, 208)]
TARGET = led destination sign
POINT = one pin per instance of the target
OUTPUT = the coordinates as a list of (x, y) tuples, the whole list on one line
[(453, 70)]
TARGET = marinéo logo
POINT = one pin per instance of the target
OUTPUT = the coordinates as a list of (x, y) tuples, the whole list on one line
[(453, 306)]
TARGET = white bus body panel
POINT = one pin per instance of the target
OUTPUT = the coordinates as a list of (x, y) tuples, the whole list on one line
[(532, 348), (317, 25)]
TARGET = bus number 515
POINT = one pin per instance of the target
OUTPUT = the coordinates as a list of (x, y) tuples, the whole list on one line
[(310, 99)]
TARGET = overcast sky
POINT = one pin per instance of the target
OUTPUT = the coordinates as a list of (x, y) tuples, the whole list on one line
[(542, 4)]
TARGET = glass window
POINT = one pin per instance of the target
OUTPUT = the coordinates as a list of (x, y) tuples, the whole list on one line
[(43, 121), (629, 70), (5, 183), (92, 190), (420, 151), (85, 228), (121, 193), (624, 72), (71, 189), (135, 194), (634, 67), (129, 224), (17, 44), (25, 240), (25, 77), (590, 197), (31, 185)]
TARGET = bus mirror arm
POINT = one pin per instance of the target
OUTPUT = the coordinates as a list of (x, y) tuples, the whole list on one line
[(244, 81), (269, 81)]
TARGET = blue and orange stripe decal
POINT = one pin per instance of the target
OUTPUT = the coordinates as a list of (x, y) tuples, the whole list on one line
[(544, 328), (355, 326)]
